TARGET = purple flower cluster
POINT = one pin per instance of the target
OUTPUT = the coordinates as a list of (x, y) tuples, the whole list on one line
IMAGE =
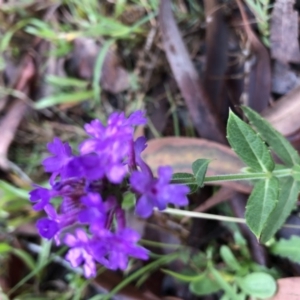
[(83, 203)]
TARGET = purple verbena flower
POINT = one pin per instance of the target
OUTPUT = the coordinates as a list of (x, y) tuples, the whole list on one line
[(157, 192), (89, 218)]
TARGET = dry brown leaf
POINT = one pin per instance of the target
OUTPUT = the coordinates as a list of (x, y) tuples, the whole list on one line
[(288, 289), (258, 86), (284, 79), (284, 32), (284, 114), (181, 152)]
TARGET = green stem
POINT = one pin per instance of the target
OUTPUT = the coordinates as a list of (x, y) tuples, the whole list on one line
[(238, 176), (231, 177)]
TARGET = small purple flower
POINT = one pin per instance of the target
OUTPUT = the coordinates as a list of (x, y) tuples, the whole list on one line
[(62, 154), (112, 142), (157, 192), (47, 228), (136, 118), (94, 212), (79, 252), (114, 249), (89, 166), (41, 196)]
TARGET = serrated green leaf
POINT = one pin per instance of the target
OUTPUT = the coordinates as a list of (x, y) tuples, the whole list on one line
[(275, 139), (288, 195), (204, 286), (199, 168), (63, 98), (261, 203), (248, 145), (258, 284), (287, 248), (229, 258), (187, 179)]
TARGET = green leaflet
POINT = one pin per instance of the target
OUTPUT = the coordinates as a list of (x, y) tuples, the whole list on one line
[(270, 135), (289, 189), (261, 203), (248, 145), (258, 284), (199, 168), (288, 248)]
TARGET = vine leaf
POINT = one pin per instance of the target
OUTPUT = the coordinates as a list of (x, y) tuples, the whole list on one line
[(248, 145), (275, 139), (288, 195), (261, 203)]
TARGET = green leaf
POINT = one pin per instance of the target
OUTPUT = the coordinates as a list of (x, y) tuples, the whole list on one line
[(288, 195), (287, 248), (63, 98), (261, 203), (187, 179), (275, 139), (248, 145), (258, 284), (204, 286), (229, 258), (199, 168)]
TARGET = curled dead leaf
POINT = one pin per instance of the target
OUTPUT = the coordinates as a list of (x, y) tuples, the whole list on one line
[(181, 152), (288, 289), (284, 114)]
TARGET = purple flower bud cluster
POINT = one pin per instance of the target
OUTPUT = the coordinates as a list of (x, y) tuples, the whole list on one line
[(83, 203)]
